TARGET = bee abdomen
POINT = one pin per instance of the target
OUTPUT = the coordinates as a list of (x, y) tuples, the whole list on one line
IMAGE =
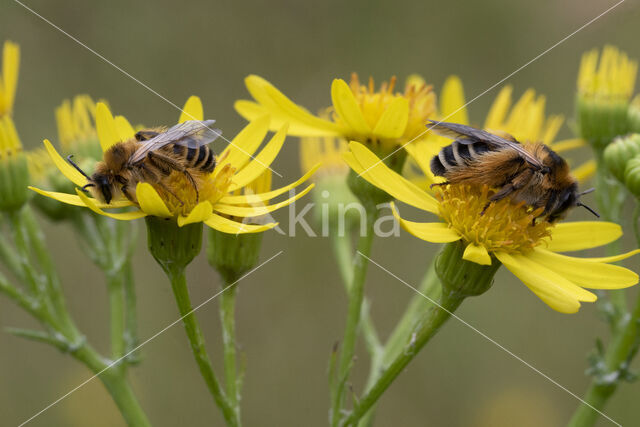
[(457, 154)]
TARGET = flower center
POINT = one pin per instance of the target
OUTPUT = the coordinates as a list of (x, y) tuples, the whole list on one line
[(422, 102), (503, 226), (179, 194)]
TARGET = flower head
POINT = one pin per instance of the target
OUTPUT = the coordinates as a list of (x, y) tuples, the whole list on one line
[(77, 134), (215, 204), (9, 76), (14, 172), (604, 90), (379, 116), (507, 232)]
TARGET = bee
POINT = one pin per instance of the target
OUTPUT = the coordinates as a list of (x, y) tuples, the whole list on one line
[(151, 156), (531, 173)]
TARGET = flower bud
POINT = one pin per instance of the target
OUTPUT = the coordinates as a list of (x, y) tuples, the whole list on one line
[(604, 90), (619, 152), (632, 176), (14, 171)]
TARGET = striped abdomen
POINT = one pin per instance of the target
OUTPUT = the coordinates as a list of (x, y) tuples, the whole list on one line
[(201, 158), (461, 152)]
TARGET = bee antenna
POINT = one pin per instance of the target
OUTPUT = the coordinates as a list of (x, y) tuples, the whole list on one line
[(77, 167), (590, 190), (84, 188), (588, 208)]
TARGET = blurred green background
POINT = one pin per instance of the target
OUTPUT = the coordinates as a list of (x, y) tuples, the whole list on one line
[(292, 311)]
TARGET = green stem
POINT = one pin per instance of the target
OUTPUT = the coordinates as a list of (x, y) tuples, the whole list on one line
[(430, 286), (356, 296), (610, 196), (196, 340), (227, 317), (130, 314), (435, 318), (115, 290), (460, 279), (117, 385), (622, 348), (343, 252)]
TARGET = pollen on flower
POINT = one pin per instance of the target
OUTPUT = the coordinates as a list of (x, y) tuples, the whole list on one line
[(421, 98), (211, 187), (504, 226)]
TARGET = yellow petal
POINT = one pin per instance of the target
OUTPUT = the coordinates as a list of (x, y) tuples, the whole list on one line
[(378, 174), (150, 201), (347, 107), (477, 254), (584, 171), (576, 236), (284, 110), (106, 127), (434, 232), (200, 213), (245, 143), (226, 225), (499, 109), (541, 284), (250, 199), (568, 144), (10, 71), (260, 162), (452, 101), (192, 110), (614, 258), (124, 128), (253, 211), (72, 199), (125, 216), (589, 274), (393, 120), (67, 170)]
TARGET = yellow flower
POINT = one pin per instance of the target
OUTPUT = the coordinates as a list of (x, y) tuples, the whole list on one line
[(613, 78), (360, 112), (236, 169), (506, 231), (604, 91), (77, 134), (9, 76)]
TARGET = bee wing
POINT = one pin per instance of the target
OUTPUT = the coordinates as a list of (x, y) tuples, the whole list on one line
[(469, 135), (192, 134)]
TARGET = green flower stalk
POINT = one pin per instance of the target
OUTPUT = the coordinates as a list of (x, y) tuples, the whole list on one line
[(460, 279), (174, 248)]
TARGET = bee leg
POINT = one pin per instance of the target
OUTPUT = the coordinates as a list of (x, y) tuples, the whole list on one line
[(167, 164), (193, 182), (152, 177), (504, 192), (438, 184)]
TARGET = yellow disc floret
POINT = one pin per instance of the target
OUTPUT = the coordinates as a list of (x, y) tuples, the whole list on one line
[(497, 226)]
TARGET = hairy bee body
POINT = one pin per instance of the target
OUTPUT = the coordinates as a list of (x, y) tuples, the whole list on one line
[(151, 157), (531, 173)]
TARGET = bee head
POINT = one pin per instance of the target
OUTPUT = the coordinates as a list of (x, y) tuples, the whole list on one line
[(567, 199)]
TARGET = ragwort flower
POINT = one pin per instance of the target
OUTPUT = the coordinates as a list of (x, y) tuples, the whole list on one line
[(382, 118), (605, 86), (506, 231), (235, 170)]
